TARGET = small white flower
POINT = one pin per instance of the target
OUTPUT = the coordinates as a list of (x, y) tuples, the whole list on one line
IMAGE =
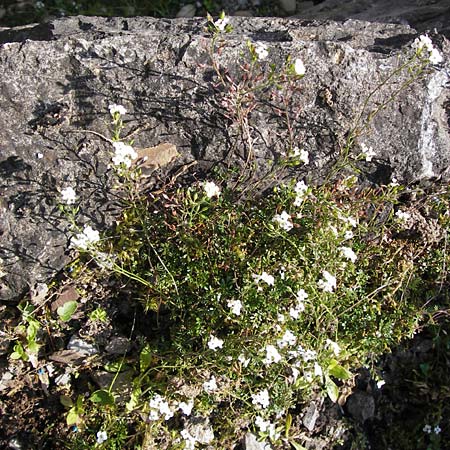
[(124, 154), (281, 318), (269, 279), (403, 215), (394, 182), (261, 399), (159, 407), (380, 384), (334, 347), (421, 42), (301, 154), (299, 67), (222, 23), (318, 370), (300, 189), (39, 155), (348, 253), (295, 374), (437, 429), (243, 360), (262, 424), (211, 385), (435, 57), (117, 109), (83, 240), (211, 189), (189, 440), (102, 436), (288, 338), (427, 429), (328, 283), (367, 152), (272, 355), (186, 407), (215, 343), (261, 51), (284, 220), (68, 195), (301, 295), (235, 306), (348, 235)]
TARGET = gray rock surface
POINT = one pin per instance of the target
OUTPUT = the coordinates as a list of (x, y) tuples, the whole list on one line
[(361, 406), (420, 14), (59, 78)]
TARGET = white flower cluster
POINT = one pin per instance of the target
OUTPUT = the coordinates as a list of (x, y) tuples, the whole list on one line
[(68, 195), (124, 154), (269, 279), (272, 355), (159, 407), (261, 51), (300, 190), (265, 426), (211, 385), (222, 23), (299, 67), (301, 154), (424, 42), (189, 440), (214, 343), (403, 216), (284, 220), (328, 282), (235, 306), (83, 240), (295, 311), (211, 189), (288, 339), (348, 253), (117, 109), (261, 399), (102, 436), (367, 152)]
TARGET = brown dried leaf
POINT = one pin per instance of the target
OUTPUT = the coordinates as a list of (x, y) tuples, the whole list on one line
[(67, 357), (68, 294), (152, 158)]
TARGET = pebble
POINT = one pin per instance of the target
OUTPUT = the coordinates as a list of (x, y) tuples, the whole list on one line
[(118, 345), (84, 348), (187, 11), (251, 442)]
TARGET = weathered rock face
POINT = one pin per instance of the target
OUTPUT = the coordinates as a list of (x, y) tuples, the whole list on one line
[(422, 15), (58, 80)]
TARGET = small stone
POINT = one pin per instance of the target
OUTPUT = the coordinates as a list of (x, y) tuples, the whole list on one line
[(290, 6), (251, 442), (361, 406), (119, 345), (200, 429), (82, 347), (187, 11), (310, 417)]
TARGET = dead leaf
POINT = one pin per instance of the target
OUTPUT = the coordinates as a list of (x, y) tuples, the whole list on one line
[(68, 294), (151, 158), (67, 357)]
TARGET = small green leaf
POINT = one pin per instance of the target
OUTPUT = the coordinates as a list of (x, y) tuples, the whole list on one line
[(116, 366), (66, 311), (288, 424), (145, 358), (66, 401), (332, 389), (102, 397), (338, 371), (73, 418)]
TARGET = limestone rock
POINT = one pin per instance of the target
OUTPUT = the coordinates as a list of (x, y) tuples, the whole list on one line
[(58, 80)]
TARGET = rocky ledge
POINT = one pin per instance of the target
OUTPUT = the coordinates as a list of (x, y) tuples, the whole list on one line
[(58, 80)]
